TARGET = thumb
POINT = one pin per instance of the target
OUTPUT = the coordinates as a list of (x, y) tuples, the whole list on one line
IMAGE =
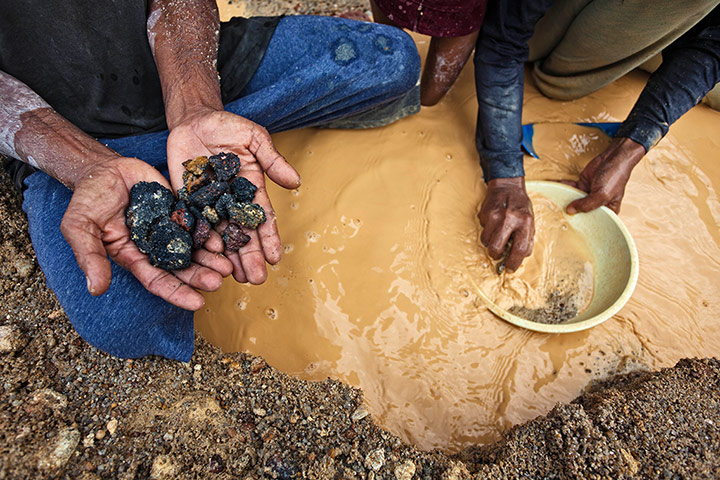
[(586, 204), (85, 239), (273, 163)]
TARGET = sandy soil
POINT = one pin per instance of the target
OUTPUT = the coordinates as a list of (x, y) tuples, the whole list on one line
[(70, 411)]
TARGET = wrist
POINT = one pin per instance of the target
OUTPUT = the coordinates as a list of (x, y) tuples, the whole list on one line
[(505, 183), (628, 149), (195, 94), (58, 147)]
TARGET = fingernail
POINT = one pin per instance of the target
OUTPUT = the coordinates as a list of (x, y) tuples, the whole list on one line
[(89, 284), (571, 210)]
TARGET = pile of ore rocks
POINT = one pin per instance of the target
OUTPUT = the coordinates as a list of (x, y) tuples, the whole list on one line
[(168, 229)]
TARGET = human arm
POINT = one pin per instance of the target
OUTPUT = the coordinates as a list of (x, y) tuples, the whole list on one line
[(500, 54), (690, 69), (184, 40), (94, 223)]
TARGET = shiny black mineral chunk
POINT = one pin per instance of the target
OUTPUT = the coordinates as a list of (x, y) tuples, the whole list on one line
[(209, 194), (170, 245), (183, 193), (243, 190), (248, 215), (222, 204), (149, 202), (234, 237), (201, 233), (225, 165)]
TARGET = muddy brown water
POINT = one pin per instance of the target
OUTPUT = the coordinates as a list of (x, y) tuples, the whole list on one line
[(381, 240)]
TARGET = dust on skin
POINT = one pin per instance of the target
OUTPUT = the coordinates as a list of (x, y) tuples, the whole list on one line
[(381, 240)]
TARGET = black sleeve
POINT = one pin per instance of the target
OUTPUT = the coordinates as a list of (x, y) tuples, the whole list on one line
[(689, 70), (500, 55)]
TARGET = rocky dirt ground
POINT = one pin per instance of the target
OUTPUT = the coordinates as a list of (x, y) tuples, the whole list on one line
[(68, 410)]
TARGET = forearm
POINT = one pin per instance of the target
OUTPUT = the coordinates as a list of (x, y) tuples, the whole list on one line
[(689, 71), (33, 132), (500, 55), (183, 37)]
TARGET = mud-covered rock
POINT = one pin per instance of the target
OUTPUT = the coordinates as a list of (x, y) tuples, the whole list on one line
[(196, 174), (196, 166)]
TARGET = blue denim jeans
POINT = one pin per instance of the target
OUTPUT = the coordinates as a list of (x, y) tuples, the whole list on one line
[(317, 71)]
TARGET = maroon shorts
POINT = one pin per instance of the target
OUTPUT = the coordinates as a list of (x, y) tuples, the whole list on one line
[(438, 18)]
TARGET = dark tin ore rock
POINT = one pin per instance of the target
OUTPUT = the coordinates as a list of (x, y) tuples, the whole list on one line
[(182, 216), (152, 230), (234, 237), (225, 165), (168, 230), (209, 194), (201, 233), (171, 246), (222, 204), (149, 202), (249, 215), (243, 190)]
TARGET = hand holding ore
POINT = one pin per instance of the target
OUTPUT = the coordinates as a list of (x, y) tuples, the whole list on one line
[(605, 177), (95, 227), (212, 132), (506, 215)]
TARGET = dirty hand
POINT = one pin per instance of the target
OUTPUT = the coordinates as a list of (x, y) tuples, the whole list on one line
[(210, 132), (506, 214), (605, 177), (94, 226)]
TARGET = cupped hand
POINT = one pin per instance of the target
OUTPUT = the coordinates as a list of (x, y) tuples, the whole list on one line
[(506, 214), (210, 132), (94, 226), (605, 177)]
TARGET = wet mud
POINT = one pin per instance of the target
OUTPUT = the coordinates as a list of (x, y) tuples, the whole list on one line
[(376, 287)]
